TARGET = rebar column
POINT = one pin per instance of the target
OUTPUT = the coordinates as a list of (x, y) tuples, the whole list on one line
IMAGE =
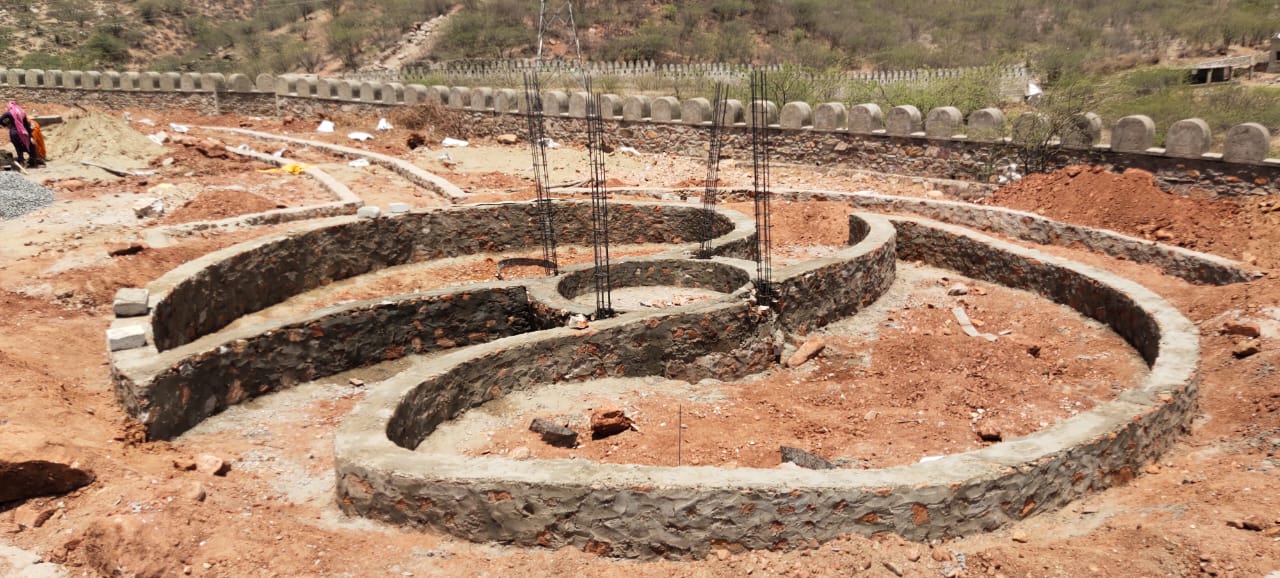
[(760, 185), (712, 191), (599, 205), (538, 144)]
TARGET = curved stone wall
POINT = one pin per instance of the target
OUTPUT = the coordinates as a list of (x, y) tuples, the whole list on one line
[(193, 370), (647, 511), (640, 272)]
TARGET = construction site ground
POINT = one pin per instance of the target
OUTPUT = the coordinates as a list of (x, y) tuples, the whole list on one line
[(895, 385)]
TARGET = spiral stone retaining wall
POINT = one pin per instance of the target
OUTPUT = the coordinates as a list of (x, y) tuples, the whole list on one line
[(206, 294), (649, 511), (644, 271), (188, 372)]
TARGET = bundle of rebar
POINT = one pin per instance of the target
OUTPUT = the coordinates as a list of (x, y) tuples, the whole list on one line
[(538, 144), (599, 204)]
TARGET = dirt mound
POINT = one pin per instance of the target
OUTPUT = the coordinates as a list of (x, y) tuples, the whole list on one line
[(1133, 204), (102, 139), (220, 204)]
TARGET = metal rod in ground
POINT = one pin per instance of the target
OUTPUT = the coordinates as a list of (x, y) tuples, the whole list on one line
[(599, 205), (712, 191), (538, 145), (760, 185)]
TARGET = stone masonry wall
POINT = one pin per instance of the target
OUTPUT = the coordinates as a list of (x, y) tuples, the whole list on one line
[(228, 285), (640, 272), (649, 511)]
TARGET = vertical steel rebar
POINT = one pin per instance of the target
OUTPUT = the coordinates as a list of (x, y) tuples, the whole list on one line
[(760, 185), (712, 191), (538, 144), (599, 204)]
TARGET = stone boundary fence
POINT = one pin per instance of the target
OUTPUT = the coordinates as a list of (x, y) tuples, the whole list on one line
[(1241, 166)]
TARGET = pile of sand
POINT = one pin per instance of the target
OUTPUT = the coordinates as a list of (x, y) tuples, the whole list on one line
[(101, 139)]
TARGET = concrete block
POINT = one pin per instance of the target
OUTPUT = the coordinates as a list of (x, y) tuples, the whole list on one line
[(903, 120), (866, 119), (636, 107), (1133, 134), (481, 98), (213, 82), (239, 83), (986, 124), (328, 88), (764, 112), (665, 109), (123, 337), (610, 106), (169, 81), (131, 302), (796, 115), (1188, 138), (73, 79), (507, 100), (347, 90), (286, 84), (93, 79), (1246, 143), (371, 92), (830, 116), (577, 105), (190, 82), (34, 78), (943, 122), (150, 81), (438, 94), (695, 111), (414, 94), (734, 112), (393, 93), (459, 97), (131, 81), (555, 103), (1082, 131), (397, 208), (4, 75), (369, 212), (13, 76), (266, 83), (52, 79)]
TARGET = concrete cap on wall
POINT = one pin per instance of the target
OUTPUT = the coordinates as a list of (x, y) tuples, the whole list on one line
[(943, 122), (1082, 131), (610, 106), (830, 116), (986, 124), (665, 109), (1133, 134), (266, 83), (1188, 138), (459, 97), (507, 100), (903, 120), (866, 118), (768, 111), (555, 103), (93, 78), (52, 79), (239, 83), (481, 98), (13, 76), (734, 112), (131, 80), (577, 104), (415, 94), (1246, 143), (370, 92), (695, 111), (796, 115), (393, 93), (34, 78), (150, 81), (635, 107)]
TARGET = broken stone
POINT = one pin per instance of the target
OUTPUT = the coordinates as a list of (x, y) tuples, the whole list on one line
[(33, 516), (212, 465), (609, 422), (940, 555), (809, 350), (195, 492), (989, 431), (148, 208), (804, 459), (1251, 523), (32, 466), (958, 289), (1250, 330), (131, 302), (890, 566), (520, 453), (398, 208), (507, 139), (554, 433), (1018, 536), (578, 321), (1246, 349), (124, 250), (369, 212)]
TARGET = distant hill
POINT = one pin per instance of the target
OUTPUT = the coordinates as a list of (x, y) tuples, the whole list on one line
[(334, 35)]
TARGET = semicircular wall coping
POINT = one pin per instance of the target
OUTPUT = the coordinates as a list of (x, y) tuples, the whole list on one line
[(650, 511)]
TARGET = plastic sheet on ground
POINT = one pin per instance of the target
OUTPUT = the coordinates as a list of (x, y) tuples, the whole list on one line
[(178, 128), (325, 126), (361, 162), (453, 142), (383, 125), (360, 136)]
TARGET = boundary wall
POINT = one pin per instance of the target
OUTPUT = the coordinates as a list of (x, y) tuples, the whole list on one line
[(940, 143)]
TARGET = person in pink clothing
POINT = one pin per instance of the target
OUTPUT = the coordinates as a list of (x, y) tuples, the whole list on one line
[(15, 119)]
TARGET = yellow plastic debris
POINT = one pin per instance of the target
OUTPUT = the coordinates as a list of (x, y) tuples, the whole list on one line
[(291, 168)]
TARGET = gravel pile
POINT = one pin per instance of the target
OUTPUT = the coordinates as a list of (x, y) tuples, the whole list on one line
[(18, 196)]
